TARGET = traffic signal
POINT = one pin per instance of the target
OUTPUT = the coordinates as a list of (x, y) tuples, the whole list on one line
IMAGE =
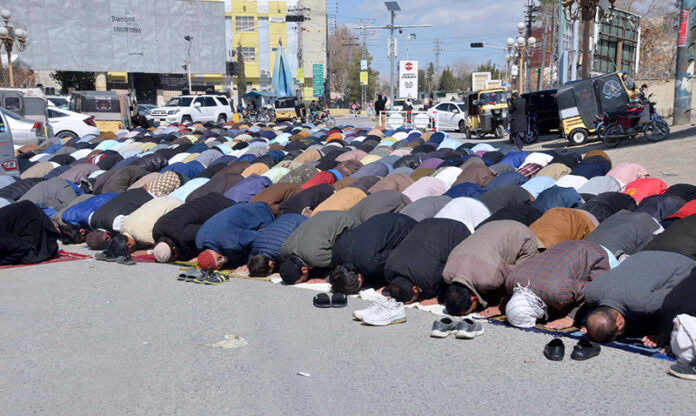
[(232, 68), (477, 45)]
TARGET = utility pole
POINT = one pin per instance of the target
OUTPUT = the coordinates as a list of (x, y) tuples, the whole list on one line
[(531, 9), (685, 63), (327, 81), (393, 7), (298, 15), (540, 83), (350, 44), (363, 28), (437, 49)]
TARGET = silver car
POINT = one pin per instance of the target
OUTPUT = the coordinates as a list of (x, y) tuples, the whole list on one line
[(24, 131), (8, 161)]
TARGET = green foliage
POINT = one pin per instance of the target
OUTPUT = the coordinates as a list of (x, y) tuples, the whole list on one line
[(447, 81), (430, 78), (354, 87), (81, 81), (489, 67)]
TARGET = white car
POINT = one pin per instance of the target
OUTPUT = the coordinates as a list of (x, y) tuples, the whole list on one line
[(24, 131), (449, 116), (193, 108), (59, 101), (67, 124)]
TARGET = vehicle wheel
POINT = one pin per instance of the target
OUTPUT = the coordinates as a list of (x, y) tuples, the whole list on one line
[(468, 133), (657, 130), (462, 126), (222, 119), (578, 137), (530, 137), (186, 119), (499, 132), (611, 135), (66, 134)]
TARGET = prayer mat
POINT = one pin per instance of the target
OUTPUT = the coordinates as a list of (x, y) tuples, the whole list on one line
[(62, 257), (634, 345)]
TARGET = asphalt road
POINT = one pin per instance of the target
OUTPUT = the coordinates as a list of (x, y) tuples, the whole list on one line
[(94, 338)]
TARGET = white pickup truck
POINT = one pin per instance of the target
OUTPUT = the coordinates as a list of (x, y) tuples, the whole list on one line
[(193, 108)]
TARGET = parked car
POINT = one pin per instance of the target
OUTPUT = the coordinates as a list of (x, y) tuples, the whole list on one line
[(69, 124), (399, 105), (24, 131), (193, 108), (144, 110), (449, 116), (8, 160), (58, 101)]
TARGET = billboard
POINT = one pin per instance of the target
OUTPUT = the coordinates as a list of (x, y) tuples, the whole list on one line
[(408, 79), (121, 35)]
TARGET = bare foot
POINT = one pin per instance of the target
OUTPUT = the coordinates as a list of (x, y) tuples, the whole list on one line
[(312, 281), (194, 260), (491, 311), (139, 253), (562, 323), (429, 302), (583, 330), (241, 269), (381, 289), (654, 340)]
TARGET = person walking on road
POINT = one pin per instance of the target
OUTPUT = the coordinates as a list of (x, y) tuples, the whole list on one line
[(518, 120)]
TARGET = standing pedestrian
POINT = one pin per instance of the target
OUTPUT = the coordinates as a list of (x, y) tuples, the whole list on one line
[(518, 120)]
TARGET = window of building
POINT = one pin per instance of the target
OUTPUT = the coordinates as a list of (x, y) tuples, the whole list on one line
[(243, 22), (249, 54)]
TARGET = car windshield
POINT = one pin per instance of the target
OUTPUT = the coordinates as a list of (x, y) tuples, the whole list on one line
[(492, 97), (179, 102), (399, 102), (630, 84)]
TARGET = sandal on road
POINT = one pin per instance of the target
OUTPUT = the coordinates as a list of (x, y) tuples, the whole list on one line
[(330, 300)]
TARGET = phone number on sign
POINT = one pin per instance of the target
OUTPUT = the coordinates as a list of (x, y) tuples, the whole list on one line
[(124, 29)]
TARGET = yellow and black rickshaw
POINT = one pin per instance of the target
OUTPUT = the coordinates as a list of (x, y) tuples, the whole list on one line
[(285, 109), (487, 112), (580, 102), (112, 110)]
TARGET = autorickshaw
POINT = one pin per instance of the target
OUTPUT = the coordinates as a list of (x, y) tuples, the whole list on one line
[(542, 114), (285, 109), (30, 103), (487, 112), (112, 110), (580, 102)]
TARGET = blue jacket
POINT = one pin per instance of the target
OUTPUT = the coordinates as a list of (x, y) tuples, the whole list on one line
[(79, 214), (268, 241), (231, 231), (248, 188), (557, 196)]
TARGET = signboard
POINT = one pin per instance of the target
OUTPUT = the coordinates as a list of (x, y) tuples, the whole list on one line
[(121, 35), (363, 77), (363, 64), (391, 48), (300, 75), (408, 79), (318, 79), (683, 26)]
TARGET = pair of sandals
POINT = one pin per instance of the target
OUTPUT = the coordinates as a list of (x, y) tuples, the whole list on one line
[(330, 300), (108, 257), (583, 350), (197, 275)]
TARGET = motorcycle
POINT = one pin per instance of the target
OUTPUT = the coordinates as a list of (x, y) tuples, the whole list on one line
[(323, 117), (642, 118)]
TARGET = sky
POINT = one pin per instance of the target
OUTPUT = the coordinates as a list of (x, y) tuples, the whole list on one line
[(456, 23)]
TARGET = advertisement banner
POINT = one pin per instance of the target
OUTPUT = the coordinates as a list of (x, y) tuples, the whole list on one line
[(318, 79), (121, 35), (408, 79), (363, 78), (683, 26)]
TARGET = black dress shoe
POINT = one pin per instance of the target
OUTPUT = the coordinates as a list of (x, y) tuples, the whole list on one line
[(585, 349), (555, 350)]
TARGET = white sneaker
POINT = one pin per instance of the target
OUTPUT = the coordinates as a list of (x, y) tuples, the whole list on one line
[(361, 313), (390, 312)]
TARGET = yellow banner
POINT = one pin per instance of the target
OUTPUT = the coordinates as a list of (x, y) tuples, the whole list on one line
[(363, 77), (300, 75)]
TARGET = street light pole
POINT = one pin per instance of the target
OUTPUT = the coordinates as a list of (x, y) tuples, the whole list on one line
[(189, 39), (392, 56), (9, 37)]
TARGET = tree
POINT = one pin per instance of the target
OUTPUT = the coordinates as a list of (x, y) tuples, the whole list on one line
[(81, 81), (422, 86), (462, 73), (489, 67), (241, 74), (343, 50), (430, 78), (447, 81), (354, 88)]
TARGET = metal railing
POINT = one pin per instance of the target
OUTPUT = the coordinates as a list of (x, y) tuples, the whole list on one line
[(409, 119)]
